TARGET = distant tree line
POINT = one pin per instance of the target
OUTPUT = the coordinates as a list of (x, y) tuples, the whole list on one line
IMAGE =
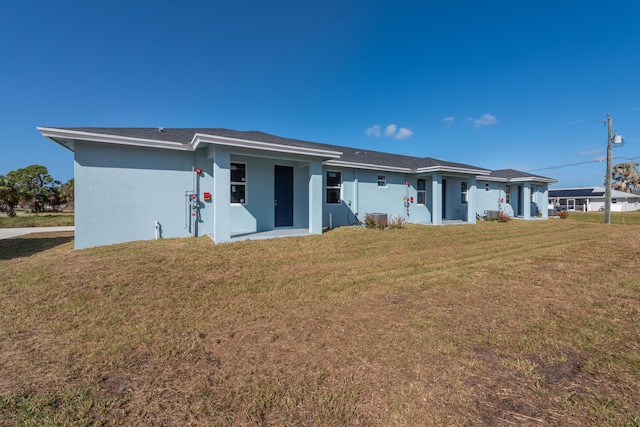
[(34, 188)]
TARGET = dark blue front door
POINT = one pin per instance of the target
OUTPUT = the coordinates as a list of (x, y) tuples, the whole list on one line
[(283, 198), (444, 198), (520, 201)]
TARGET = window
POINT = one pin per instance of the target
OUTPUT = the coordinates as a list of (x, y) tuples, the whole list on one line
[(422, 191), (533, 192), (463, 192), (507, 194), (382, 180), (334, 185), (486, 187), (238, 182)]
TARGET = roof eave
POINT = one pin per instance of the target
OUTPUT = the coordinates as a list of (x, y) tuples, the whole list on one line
[(200, 138), (491, 178), (533, 179), (368, 166), (453, 169), (75, 135)]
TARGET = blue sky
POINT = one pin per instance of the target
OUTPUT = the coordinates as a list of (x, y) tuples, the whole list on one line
[(496, 84)]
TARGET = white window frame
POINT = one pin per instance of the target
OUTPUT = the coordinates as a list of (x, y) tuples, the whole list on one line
[(238, 183), (424, 192), (464, 192), (507, 194), (532, 190), (382, 181), (333, 187)]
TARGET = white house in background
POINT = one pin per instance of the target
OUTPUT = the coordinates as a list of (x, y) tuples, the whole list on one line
[(141, 183), (585, 199)]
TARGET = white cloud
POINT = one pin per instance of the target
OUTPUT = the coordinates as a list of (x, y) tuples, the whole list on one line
[(373, 131), (391, 131), (449, 120), (403, 133), (590, 153), (484, 120)]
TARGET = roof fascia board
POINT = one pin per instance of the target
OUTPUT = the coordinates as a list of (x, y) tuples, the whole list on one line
[(533, 179), (111, 139), (343, 164), (200, 138), (491, 178), (453, 169)]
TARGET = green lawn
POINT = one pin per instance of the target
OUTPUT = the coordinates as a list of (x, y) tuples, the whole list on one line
[(616, 217), (517, 323), (36, 220)]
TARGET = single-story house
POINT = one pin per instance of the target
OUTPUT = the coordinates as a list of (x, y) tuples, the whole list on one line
[(518, 194), (585, 199), (145, 183)]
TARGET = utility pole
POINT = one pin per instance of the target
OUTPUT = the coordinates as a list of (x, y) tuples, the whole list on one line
[(607, 185)]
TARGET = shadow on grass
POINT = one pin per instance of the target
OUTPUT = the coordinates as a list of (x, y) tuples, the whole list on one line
[(24, 246)]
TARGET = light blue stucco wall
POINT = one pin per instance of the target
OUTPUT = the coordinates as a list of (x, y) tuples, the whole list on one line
[(488, 196), (522, 204), (360, 195), (258, 213), (121, 192), (454, 209)]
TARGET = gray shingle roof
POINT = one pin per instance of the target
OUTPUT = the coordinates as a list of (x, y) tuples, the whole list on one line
[(515, 174), (352, 155), (349, 154)]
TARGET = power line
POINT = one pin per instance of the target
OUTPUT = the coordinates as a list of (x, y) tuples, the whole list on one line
[(627, 158), (582, 163), (600, 120), (567, 165)]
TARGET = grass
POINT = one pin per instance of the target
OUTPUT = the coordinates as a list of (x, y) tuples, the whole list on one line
[(626, 218), (36, 220), (526, 322)]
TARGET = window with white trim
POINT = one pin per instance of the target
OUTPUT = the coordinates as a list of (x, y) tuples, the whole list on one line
[(238, 183), (382, 180), (421, 190), (334, 186), (533, 191), (464, 192), (486, 187), (507, 194)]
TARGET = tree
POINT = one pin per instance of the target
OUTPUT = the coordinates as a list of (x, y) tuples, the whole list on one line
[(625, 177), (36, 187), (67, 192), (9, 195)]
